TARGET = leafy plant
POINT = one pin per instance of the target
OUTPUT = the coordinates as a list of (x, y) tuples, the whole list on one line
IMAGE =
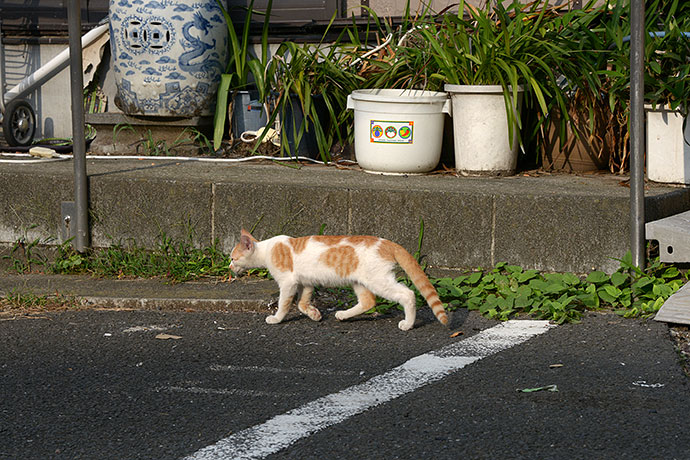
[(650, 288), (240, 64), (507, 290), (313, 80), (496, 46), (562, 297)]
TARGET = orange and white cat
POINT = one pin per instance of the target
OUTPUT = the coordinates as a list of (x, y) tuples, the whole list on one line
[(365, 262)]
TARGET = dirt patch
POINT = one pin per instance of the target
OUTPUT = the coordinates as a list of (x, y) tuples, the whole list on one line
[(239, 149), (681, 339)]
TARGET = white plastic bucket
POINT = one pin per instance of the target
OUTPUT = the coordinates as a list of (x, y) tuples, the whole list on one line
[(398, 131), (668, 152), (481, 132)]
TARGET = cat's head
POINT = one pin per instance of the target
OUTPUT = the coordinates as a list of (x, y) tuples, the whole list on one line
[(241, 255)]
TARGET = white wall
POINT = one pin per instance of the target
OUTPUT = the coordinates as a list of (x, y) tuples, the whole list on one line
[(51, 101)]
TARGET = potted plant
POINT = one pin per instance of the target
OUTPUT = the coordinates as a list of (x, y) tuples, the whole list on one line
[(398, 119), (487, 61), (311, 84), (594, 82), (235, 80), (599, 100)]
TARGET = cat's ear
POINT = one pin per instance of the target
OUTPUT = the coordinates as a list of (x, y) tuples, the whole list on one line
[(246, 240)]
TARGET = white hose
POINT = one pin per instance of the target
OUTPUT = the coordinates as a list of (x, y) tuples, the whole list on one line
[(40, 160), (62, 157), (378, 48)]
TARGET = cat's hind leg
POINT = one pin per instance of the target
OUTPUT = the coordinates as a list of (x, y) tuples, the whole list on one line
[(365, 302), (287, 293), (400, 293), (305, 305)]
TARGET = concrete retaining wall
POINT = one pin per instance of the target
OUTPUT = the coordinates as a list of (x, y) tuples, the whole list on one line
[(550, 222)]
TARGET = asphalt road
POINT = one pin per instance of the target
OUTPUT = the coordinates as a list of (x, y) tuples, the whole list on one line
[(101, 385)]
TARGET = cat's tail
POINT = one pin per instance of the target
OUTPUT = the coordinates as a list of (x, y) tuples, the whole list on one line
[(420, 280)]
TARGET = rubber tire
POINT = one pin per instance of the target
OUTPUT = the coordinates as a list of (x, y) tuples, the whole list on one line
[(19, 123)]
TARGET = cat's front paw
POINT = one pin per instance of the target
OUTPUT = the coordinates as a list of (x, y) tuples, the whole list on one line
[(272, 320), (314, 314), (405, 325), (340, 315)]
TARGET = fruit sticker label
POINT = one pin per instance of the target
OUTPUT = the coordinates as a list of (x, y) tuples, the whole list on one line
[(391, 132)]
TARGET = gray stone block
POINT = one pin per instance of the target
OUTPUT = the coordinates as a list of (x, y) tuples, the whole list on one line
[(277, 209), (551, 232), (142, 211), (30, 205), (456, 224)]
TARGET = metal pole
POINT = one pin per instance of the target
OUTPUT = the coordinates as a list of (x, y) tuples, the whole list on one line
[(81, 238), (637, 132), (2, 71)]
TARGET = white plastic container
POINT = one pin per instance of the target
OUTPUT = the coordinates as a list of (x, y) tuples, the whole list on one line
[(668, 152), (398, 131), (481, 132)]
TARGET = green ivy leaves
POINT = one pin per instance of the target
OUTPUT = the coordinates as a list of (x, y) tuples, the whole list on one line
[(508, 290)]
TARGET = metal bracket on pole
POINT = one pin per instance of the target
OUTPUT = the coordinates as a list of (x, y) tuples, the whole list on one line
[(67, 227)]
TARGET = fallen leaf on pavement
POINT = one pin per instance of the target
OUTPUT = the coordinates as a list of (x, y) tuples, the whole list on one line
[(168, 336)]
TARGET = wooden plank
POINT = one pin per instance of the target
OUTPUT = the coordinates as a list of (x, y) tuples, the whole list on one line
[(677, 308)]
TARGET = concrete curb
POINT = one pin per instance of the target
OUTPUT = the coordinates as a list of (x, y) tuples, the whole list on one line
[(178, 304), (244, 294)]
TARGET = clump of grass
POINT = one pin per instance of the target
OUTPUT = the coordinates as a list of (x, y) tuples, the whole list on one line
[(176, 261), (27, 302), (24, 255), (148, 144)]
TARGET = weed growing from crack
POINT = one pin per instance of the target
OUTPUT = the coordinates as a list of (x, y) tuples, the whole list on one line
[(24, 256)]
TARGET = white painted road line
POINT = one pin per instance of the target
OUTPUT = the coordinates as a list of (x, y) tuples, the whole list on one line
[(279, 432)]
